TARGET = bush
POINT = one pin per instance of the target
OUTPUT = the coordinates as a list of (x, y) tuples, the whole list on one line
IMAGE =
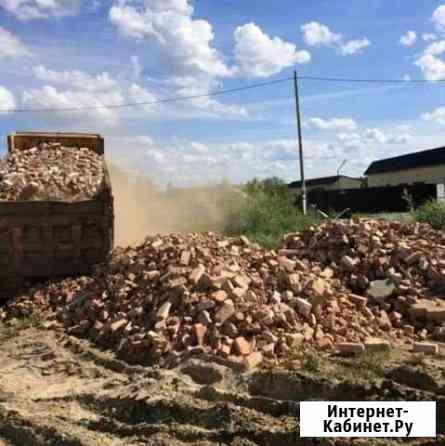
[(432, 212), (265, 212)]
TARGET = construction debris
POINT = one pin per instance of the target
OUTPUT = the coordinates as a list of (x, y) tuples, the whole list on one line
[(426, 348), (399, 267), (51, 172), (377, 345), (179, 295), (350, 348)]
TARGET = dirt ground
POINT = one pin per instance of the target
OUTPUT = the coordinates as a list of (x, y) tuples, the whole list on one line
[(59, 390)]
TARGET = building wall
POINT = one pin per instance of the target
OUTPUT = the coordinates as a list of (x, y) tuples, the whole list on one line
[(297, 190), (431, 175), (349, 183)]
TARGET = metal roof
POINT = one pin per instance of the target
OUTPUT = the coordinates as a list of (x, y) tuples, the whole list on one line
[(323, 181), (425, 158)]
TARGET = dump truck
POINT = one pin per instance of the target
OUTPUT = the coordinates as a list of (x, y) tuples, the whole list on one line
[(49, 239)]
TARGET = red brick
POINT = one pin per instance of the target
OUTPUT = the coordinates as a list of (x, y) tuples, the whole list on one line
[(253, 360), (200, 331), (241, 346), (225, 312)]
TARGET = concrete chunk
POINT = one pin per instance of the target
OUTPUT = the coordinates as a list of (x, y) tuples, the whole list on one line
[(304, 307), (253, 360), (427, 348), (380, 290), (377, 345), (350, 348)]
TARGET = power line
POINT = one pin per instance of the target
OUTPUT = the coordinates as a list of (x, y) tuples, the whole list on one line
[(219, 93), (139, 104), (376, 81)]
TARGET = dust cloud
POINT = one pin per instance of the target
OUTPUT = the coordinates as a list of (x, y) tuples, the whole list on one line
[(142, 209)]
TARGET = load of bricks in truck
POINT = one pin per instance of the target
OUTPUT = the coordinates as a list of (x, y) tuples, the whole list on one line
[(56, 207)]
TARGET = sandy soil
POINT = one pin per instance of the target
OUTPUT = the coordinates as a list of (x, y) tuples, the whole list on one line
[(59, 390)]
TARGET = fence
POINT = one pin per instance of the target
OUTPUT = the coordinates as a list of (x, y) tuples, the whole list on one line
[(372, 200)]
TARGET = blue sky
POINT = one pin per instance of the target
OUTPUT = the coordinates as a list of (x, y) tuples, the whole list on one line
[(78, 53)]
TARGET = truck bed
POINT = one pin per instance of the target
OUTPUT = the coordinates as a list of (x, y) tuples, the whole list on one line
[(46, 239)]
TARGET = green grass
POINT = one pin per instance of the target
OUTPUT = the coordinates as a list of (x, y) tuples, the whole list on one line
[(372, 363), (432, 212), (264, 213), (404, 217), (312, 362)]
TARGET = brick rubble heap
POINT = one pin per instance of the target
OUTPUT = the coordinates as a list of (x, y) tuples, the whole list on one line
[(350, 285), (400, 267), (51, 172)]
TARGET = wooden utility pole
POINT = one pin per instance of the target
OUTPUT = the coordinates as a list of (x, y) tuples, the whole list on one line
[(300, 145)]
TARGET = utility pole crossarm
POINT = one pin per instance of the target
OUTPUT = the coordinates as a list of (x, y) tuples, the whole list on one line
[(300, 145), (341, 167)]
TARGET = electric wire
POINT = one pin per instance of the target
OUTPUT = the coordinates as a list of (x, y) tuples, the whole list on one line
[(218, 93)]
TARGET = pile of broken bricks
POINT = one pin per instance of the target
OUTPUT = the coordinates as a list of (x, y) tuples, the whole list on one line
[(399, 267), (51, 172), (349, 286)]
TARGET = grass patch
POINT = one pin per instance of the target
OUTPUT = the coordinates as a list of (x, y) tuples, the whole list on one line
[(312, 362), (432, 212), (264, 212), (373, 363), (369, 365)]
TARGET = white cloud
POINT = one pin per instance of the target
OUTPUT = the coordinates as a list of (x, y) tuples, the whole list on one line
[(350, 141), (141, 94), (192, 162), (11, 47), (39, 9), (199, 148), (435, 48), (195, 162), (354, 47), (130, 21), (437, 115), (430, 62), (378, 136), (240, 147), (408, 39), (332, 124), (185, 43), (259, 55), (144, 139), (136, 68), (439, 18), (432, 66), (7, 101), (318, 35), (371, 136), (200, 86), (185, 46), (50, 97), (404, 128), (403, 138), (76, 79), (375, 135), (428, 37), (347, 136)]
